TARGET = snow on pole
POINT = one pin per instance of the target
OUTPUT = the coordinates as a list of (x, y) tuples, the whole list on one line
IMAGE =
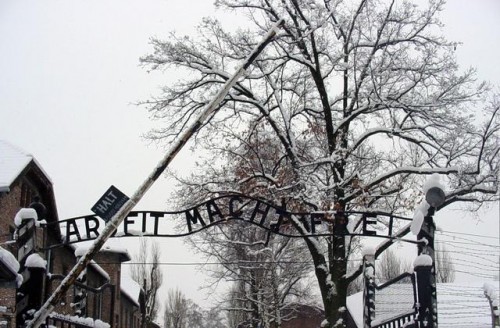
[(118, 217), (491, 295)]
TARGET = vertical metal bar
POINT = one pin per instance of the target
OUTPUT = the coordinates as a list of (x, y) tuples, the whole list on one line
[(144, 187)]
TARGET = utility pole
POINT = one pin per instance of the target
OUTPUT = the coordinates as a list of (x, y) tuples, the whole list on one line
[(118, 217)]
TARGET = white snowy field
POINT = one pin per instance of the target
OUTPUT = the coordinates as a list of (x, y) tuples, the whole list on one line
[(461, 305)]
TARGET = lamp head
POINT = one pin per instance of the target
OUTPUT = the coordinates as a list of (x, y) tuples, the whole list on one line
[(435, 197)]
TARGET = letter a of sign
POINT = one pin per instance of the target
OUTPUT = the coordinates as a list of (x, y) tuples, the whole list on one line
[(110, 203)]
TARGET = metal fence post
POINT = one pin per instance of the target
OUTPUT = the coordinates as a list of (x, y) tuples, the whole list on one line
[(425, 311), (435, 197), (369, 290), (491, 295), (427, 233)]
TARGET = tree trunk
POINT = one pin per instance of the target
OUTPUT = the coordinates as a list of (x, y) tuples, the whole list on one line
[(143, 319)]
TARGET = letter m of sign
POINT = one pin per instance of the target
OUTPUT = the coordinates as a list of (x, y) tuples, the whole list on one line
[(193, 218)]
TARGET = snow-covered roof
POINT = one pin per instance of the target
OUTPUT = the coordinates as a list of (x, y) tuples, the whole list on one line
[(79, 249), (99, 269), (110, 246), (459, 304), (81, 321), (13, 160), (9, 261), (130, 288), (118, 250)]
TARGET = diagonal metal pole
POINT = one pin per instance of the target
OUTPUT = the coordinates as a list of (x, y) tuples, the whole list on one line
[(54, 299)]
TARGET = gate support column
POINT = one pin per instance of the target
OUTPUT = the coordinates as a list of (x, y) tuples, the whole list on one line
[(427, 233), (369, 290), (435, 197), (425, 312)]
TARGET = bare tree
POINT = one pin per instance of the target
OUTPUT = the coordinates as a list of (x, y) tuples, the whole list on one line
[(357, 284), (267, 271), (181, 312), (148, 274), (364, 100), (214, 318), (391, 266), (265, 278), (445, 269), (235, 306), (176, 310)]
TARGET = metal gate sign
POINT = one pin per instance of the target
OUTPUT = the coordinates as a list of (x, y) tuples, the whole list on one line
[(109, 203)]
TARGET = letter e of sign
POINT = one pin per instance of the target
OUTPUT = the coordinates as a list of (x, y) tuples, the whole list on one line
[(366, 222)]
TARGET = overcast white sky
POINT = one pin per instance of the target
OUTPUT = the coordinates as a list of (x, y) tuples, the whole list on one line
[(69, 74)]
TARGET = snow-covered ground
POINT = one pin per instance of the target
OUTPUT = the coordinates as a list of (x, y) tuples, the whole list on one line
[(461, 305)]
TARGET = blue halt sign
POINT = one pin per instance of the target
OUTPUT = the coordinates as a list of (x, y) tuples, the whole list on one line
[(109, 203)]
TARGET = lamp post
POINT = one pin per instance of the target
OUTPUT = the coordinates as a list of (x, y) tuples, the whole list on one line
[(435, 197)]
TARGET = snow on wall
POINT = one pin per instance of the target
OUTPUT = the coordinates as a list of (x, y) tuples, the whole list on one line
[(89, 322), (35, 261), (25, 214)]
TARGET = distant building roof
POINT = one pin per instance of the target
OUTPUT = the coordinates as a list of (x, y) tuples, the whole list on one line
[(130, 288), (8, 265), (459, 304), (13, 160), (111, 246)]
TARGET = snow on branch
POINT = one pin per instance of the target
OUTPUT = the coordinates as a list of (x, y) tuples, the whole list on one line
[(399, 171)]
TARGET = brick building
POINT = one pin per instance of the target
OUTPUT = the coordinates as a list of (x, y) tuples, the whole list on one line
[(26, 237)]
